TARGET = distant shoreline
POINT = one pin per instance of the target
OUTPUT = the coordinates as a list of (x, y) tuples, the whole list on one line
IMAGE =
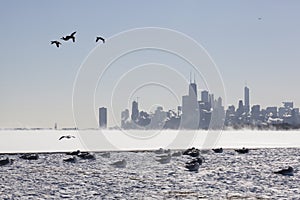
[(203, 151), (245, 128)]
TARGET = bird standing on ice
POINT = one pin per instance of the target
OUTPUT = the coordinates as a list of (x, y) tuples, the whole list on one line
[(286, 172), (120, 164)]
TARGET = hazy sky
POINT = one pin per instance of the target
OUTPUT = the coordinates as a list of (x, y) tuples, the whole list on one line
[(36, 79)]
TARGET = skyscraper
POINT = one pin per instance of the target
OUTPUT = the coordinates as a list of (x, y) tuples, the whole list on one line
[(247, 99), (204, 96), (190, 109), (102, 117), (255, 112), (124, 117), (241, 109), (135, 111), (193, 90)]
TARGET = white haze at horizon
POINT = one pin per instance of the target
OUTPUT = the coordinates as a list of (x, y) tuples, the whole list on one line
[(13, 141)]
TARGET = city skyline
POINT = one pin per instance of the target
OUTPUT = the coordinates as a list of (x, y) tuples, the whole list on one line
[(207, 112), (254, 42)]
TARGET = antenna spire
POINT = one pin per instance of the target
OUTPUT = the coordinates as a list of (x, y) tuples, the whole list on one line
[(194, 78)]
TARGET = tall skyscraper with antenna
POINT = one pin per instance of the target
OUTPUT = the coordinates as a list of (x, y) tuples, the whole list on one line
[(193, 88), (190, 108)]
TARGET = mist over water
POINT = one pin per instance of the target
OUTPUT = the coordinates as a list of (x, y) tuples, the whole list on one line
[(117, 140)]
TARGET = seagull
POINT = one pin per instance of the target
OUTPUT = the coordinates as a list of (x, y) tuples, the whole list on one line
[(105, 155), (196, 160), (6, 161), (193, 167), (164, 156), (176, 154), (120, 164), (242, 151), (70, 160), (193, 152), (82, 154), (100, 38), (159, 151), (219, 150), (57, 43), (286, 172), (87, 156), (165, 159), (68, 37), (73, 153), (30, 156), (66, 136), (186, 152), (168, 151)]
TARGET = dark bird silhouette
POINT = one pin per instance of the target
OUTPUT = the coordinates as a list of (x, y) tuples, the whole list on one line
[(66, 136), (193, 167), (286, 172), (70, 160), (100, 38), (219, 150), (68, 37), (86, 155), (57, 43), (195, 160), (193, 152), (6, 161), (30, 156), (73, 153), (259, 18), (83, 153), (242, 151)]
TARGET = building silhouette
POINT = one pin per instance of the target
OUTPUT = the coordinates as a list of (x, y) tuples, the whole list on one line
[(247, 99), (124, 117), (103, 117), (256, 116), (190, 109), (204, 96), (134, 111)]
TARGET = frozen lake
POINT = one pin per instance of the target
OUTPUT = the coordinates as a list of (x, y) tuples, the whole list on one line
[(115, 140), (228, 175)]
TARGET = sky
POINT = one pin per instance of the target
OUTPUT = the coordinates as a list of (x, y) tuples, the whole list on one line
[(251, 42)]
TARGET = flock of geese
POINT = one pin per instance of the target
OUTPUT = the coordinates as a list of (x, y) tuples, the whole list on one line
[(165, 156), (72, 38)]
